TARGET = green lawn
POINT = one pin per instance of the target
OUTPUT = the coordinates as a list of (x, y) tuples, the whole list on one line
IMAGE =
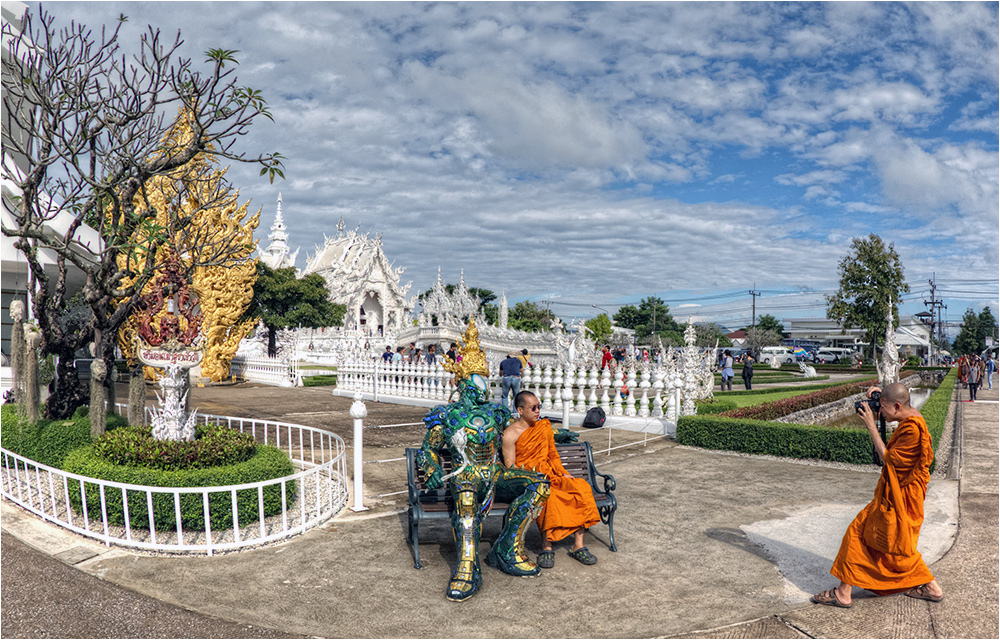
[(746, 401)]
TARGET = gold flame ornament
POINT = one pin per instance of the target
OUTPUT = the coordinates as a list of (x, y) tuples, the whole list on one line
[(473, 357), (200, 213)]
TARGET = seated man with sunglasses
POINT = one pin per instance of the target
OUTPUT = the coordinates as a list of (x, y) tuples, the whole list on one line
[(528, 443)]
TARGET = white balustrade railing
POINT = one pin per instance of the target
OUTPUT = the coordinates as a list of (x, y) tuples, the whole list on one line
[(308, 498), (650, 393), (273, 371)]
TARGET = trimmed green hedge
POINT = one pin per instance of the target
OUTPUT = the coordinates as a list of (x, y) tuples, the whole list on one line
[(319, 381), (803, 441), (758, 379), (267, 463), (775, 438), (935, 410), (714, 406), (49, 441)]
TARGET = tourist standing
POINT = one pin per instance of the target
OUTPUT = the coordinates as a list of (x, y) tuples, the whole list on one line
[(991, 366), (727, 371), (747, 373), (510, 380), (452, 353), (524, 357), (398, 356), (606, 357), (415, 356), (971, 368), (387, 356), (431, 355)]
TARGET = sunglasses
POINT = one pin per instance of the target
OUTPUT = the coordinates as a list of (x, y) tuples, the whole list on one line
[(532, 407)]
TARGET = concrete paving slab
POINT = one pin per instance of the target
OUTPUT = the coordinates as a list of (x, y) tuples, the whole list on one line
[(769, 627), (75, 555)]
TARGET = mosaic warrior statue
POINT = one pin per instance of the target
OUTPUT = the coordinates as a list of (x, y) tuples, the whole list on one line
[(470, 430)]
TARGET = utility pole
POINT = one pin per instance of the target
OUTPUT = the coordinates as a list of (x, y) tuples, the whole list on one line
[(935, 305), (753, 296)]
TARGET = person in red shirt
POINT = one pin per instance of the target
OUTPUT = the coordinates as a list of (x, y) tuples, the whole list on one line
[(606, 358)]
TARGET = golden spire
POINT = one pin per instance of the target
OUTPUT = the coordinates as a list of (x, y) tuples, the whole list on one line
[(473, 356)]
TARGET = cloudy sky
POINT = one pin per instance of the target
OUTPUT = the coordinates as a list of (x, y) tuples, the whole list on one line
[(592, 154)]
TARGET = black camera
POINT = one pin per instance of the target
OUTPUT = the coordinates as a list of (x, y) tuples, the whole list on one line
[(872, 402)]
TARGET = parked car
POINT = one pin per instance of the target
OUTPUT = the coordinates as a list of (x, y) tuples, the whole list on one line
[(781, 355), (833, 355)]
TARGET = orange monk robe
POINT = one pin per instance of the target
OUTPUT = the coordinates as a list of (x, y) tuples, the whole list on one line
[(571, 502), (910, 454)]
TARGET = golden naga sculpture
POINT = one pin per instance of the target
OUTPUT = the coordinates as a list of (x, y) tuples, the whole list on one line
[(473, 358), (213, 235)]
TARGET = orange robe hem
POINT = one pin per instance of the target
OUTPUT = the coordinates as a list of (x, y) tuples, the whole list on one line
[(571, 502), (910, 453)]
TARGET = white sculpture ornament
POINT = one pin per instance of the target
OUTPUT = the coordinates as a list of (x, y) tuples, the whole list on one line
[(169, 421), (888, 368), (807, 369)]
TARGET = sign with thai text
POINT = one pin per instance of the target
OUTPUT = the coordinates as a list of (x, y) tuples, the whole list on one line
[(186, 358)]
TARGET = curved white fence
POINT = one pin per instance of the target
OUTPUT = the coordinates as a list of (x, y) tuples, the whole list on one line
[(320, 493)]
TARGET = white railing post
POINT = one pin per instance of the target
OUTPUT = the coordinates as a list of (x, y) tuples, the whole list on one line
[(358, 412), (375, 381)]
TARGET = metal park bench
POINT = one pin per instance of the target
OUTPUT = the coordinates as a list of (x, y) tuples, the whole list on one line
[(428, 504)]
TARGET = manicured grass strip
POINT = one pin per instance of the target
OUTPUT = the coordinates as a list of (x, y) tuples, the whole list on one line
[(935, 410)]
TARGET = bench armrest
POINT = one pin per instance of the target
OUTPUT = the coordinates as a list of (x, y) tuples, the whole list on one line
[(609, 480)]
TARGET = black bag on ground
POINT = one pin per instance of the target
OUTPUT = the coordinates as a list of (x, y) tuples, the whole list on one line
[(594, 419)]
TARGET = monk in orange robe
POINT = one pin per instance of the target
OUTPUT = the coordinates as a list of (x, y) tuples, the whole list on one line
[(529, 443), (909, 453)]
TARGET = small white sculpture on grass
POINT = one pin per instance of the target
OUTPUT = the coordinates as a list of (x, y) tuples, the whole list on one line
[(807, 369)]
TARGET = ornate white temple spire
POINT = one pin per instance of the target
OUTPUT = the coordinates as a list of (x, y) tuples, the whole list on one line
[(277, 255), (340, 226), (503, 310)]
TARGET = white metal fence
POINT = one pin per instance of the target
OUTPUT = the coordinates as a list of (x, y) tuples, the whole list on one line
[(273, 371), (646, 393), (91, 507)]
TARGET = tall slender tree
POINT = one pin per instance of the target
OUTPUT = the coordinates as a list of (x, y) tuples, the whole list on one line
[(871, 283)]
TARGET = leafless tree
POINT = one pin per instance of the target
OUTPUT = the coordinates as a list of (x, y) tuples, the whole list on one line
[(758, 338), (84, 132)]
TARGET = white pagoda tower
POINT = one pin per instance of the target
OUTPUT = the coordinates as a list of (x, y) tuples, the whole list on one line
[(277, 255)]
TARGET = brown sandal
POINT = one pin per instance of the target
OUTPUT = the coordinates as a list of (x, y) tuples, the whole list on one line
[(830, 598), (920, 593)]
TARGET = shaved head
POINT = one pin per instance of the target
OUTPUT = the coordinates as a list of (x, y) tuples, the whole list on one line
[(896, 392)]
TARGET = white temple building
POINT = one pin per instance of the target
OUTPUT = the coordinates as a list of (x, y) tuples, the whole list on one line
[(278, 255), (359, 276)]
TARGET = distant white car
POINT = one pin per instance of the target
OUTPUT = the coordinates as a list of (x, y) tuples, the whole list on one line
[(781, 355), (833, 355)]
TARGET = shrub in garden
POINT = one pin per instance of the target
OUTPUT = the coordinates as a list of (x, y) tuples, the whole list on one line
[(49, 441), (705, 407), (214, 445), (775, 438), (266, 463), (319, 381)]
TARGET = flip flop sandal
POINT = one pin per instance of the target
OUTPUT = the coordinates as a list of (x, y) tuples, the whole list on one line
[(920, 594), (830, 599), (547, 559), (583, 555)]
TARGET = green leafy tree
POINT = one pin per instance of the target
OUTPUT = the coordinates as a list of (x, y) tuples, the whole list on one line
[(708, 333), (280, 301), (971, 337), (987, 327), (600, 328), (528, 316), (871, 278), (628, 317), (767, 322), (650, 317)]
